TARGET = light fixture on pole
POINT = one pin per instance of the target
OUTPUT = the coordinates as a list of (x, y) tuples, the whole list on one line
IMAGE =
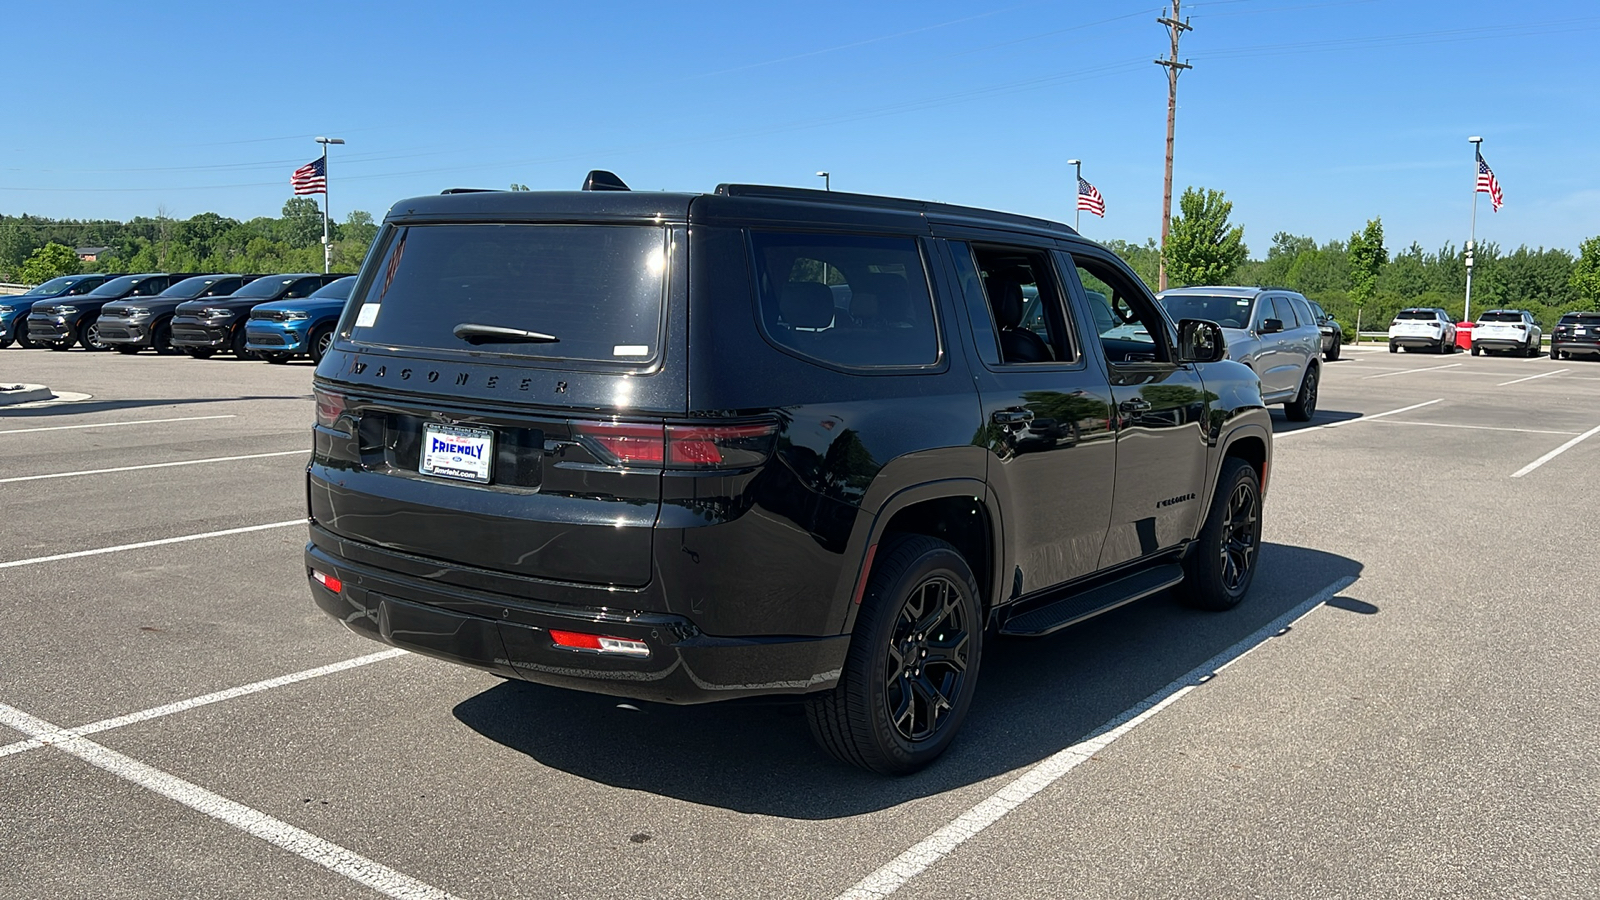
[(1077, 176), (1472, 232), (825, 185), (327, 248)]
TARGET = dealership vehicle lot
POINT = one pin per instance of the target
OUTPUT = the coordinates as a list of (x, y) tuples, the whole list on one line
[(1429, 730)]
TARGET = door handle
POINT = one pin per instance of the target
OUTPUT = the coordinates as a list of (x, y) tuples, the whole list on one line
[(1136, 405), (1014, 416)]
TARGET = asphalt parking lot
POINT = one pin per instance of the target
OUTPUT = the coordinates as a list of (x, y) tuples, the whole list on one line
[(1407, 704)]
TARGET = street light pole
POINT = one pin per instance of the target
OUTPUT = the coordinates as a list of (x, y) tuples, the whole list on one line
[(327, 248), (1077, 192), (1472, 232)]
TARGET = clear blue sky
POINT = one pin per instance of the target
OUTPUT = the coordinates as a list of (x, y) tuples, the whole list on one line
[(1312, 115)]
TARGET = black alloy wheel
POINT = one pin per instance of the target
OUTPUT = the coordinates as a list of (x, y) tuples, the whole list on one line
[(909, 678), (1304, 404), (161, 339), (89, 336), (321, 342), (1222, 561), (240, 351)]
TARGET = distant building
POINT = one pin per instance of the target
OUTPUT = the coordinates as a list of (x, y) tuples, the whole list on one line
[(91, 254)]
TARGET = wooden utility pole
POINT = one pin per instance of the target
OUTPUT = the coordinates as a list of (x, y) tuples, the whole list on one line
[(1177, 27)]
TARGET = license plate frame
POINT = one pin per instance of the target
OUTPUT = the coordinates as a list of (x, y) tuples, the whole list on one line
[(456, 460)]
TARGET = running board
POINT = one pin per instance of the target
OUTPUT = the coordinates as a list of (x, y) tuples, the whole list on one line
[(1075, 608)]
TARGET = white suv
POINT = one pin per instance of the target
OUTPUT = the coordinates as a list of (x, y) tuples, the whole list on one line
[(1511, 330), (1422, 327)]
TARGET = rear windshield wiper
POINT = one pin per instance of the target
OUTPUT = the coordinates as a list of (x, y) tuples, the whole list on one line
[(475, 334)]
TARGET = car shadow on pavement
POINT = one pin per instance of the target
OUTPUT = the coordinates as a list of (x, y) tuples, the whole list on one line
[(1281, 424), (1035, 697), (94, 406)]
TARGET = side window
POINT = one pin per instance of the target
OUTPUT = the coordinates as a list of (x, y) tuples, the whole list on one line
[(83, 287), (150, 287), (977, 303), (222, 287), (1024, 302), (1132, 329), (852, 300), (1302, 312)]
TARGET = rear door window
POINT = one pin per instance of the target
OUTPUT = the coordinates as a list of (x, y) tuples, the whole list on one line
[(567, 292), (857, 301)]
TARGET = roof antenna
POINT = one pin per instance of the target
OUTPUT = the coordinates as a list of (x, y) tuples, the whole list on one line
[(601, 180)]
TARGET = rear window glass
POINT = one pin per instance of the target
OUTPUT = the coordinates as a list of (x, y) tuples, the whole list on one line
[(852, 300), (1501, 317), (1424, 314), (1583, 318), (585, 292)]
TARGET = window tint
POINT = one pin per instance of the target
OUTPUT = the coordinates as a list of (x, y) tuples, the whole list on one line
[(1137, 332), (977, 302), (1302, 312), (1426, 315), (595, 290), (305, 287), (150, 287), (853, 300), (1501, 317), (1021, 302), (1229, 312)]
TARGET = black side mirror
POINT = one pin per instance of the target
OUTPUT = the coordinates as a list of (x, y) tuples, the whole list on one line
[(1271, 326), (1200, 341)]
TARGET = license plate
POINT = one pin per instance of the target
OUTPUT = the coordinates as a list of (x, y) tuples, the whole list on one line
[(454, 451), (1580, 331)]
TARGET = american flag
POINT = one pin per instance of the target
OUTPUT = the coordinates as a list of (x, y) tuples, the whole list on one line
[(311, 178), (1089, 199), (1488, 184)]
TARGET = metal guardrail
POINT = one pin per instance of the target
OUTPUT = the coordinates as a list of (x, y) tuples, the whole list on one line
[(13, 289)]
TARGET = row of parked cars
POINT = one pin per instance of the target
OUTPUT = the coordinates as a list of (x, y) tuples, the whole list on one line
[(1513, 332), (272, 317)]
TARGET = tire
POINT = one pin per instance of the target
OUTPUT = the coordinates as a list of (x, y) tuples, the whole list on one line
[(1475, 350), (5, 342), (199, 352), (320, 341), (892, 711), (89, 336), (1222, 562), (1393, 347), (23, 340), (1304, 404), (1333, 353), (161, 339), (1443, 347), (276, 359), (129, 349), (240, 351)]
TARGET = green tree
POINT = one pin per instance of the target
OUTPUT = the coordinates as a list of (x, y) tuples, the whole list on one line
[(1367, 257), (50, 261), (301, 225), (1201, 248), (1586, 274)]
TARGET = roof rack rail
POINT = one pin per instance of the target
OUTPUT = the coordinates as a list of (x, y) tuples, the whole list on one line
[(843, 198), (470, 191)]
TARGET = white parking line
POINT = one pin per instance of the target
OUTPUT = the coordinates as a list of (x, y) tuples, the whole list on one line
[(1532, 377), (1556, 452), (277, 832), (167, 709), (142, 544), (908, 865), (116, 424), (1481, 427), (165, 465), (1358, 419), (1410, 371)]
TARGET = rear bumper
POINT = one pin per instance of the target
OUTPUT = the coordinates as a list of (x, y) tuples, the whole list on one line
[(512, 638), (1575, 346), (1418, 340)]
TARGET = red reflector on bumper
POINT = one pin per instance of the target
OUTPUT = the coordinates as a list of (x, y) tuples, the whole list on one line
[(327, 581), (594, 643)]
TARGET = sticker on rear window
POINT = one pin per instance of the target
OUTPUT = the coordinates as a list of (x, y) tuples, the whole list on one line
[(368, 315), (630, 350)]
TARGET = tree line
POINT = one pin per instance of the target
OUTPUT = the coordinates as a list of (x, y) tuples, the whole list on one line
[(34, 249), (1359, 277)]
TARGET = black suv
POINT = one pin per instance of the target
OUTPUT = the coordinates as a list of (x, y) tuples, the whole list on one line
[(1578, 333), (689, 447), (76, 320), (202, 327), (132, 325)]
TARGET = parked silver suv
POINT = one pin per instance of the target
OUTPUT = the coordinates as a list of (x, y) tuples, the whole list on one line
[(1273, 331)]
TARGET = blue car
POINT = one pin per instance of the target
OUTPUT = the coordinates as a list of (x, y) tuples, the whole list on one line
[(14, 310), (279, 331)]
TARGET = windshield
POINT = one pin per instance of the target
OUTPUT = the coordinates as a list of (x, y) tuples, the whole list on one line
[(116, 287), (1501, 317), (54, 286), (1229, 312), (338, 290), (189, 288), (596, 291), (270, 286)]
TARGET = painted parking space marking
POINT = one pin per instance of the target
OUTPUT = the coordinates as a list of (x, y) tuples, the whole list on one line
[(1412, 371), (167, 709), (908, 865), (165, 465), (1478, 427), (1556, 452), (142, 544), (1392, 412), (1532, 377), (277, 832), (116, 424)]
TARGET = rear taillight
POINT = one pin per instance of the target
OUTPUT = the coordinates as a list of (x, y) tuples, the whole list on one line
[(679, 446), (328, 581), (595, 643), (330, 407)]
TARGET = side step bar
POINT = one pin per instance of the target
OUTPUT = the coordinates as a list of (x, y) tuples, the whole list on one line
[(1073, 608)]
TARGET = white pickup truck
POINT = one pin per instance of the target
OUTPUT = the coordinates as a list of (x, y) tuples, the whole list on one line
[(1509, 330)]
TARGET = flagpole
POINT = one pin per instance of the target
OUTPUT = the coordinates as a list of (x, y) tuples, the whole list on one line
[(1472, 232), (327, 248), (1077, 193)]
